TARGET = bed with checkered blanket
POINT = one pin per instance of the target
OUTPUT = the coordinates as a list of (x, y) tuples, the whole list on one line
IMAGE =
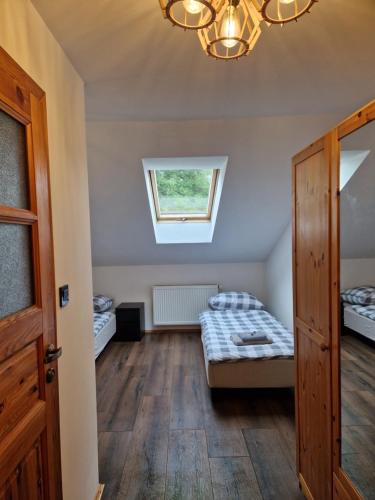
[(360, 319), (218, 326), (100, 321), (104, 329), (257, 366), (366, 311)]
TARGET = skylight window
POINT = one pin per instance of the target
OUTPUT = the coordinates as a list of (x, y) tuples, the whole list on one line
[(183, 195)]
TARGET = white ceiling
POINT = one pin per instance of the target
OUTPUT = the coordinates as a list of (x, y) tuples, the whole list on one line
[(137, 66)]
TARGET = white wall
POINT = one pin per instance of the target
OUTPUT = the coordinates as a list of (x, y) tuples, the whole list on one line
[(133, 283), (279, 279), (26, 38), (356, 272)]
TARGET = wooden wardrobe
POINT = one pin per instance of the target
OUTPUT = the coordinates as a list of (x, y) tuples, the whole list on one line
[(316, 279)]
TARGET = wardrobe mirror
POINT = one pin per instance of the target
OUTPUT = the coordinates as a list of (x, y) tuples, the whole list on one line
[(357, 226)]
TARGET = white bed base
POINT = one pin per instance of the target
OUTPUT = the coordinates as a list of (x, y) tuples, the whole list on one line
[(105, 335), (358, 323), (250, 373)]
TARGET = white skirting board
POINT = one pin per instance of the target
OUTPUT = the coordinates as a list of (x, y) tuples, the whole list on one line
[(180, 305)]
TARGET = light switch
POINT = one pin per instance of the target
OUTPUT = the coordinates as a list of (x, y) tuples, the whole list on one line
[(64, 295)]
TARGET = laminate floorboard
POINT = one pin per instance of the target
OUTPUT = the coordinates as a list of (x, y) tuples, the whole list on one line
[(108, 366), (118, 411), (160, 375), (234, 478), (163, 434), (226, 443), (144, 473), (113, 450), (275, 476), (188, 470), (361, 470), (186, 400)]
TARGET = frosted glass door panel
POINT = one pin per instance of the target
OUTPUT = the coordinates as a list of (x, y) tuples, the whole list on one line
[(13, 163), (16, 271)]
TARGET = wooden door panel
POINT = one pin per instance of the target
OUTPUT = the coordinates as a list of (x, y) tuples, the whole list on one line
[(26, 482), (16, 444), (30, 484), (19, 387), (9, 491), (311, 269), (30, 466), (19, 329), (314, 415), (312, 242)]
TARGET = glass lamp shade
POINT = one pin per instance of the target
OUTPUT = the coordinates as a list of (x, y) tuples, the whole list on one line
[(191, 14), (285, 11), (234, 32)]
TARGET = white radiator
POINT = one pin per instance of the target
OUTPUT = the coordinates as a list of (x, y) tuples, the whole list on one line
[(181, 305)]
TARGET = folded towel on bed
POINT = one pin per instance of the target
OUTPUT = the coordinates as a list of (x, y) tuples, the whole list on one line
[(251, 338)]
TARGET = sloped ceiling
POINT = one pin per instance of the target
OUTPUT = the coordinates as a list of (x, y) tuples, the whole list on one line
[(150, 91), (358, 199), (255, 202), (137, 66)]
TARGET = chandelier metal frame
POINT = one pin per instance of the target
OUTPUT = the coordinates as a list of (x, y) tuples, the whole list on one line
[(207, 22), (213, 42), (298, 11), (178, 16)]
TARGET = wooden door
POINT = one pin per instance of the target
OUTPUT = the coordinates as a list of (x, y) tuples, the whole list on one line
[(29, 425), (311, 254)]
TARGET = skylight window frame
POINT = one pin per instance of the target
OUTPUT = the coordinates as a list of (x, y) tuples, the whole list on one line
[(172, 232), (181, 218)]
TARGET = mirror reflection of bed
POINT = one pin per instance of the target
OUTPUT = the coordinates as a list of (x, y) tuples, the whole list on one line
[(357, 221)]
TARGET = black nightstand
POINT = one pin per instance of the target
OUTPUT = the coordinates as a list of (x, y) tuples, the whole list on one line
[(130, 322)]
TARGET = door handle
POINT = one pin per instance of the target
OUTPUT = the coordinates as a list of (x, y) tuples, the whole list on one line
[(52, 354)]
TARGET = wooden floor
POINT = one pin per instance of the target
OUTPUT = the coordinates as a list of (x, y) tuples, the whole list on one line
[(162, 435), (358, 415)]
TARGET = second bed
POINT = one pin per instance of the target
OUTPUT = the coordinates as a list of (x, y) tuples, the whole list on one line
[(256, 366)]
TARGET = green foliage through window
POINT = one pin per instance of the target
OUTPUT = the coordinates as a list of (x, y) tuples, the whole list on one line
[(184, 191)]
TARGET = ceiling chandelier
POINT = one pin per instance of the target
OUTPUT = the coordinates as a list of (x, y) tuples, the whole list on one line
[(229, 29)]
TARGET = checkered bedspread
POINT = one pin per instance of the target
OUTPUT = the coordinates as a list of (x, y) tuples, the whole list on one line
[(100, 320), (218, 326), (366, 311)]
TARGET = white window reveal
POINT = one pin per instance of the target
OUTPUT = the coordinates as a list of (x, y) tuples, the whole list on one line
[(184, 197)]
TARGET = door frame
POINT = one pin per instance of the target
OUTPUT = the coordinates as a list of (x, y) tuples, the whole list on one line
[(25, 101)]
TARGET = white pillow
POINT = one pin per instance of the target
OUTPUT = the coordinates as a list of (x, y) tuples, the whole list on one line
[(361, 295)]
